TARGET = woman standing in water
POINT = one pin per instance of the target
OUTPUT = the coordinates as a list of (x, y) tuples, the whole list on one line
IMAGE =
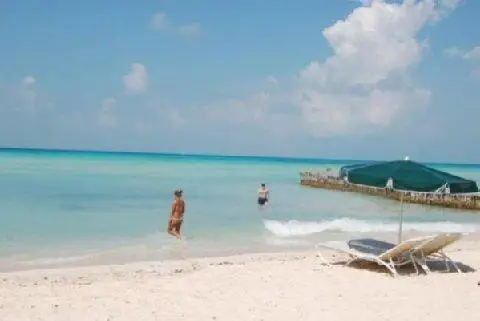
[(176, 215), (263, 195)]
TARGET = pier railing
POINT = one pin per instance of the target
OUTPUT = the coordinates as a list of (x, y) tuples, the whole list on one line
[(460, 201)]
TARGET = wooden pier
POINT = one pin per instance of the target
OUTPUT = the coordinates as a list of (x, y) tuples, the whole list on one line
[(459, 201)]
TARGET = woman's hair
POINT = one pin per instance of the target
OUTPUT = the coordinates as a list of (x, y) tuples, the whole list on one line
[(178, 192)]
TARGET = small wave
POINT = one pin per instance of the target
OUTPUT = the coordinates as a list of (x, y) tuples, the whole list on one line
[(55, 260), (348, 225)]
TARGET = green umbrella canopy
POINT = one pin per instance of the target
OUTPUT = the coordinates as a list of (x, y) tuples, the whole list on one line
[(406, 175)]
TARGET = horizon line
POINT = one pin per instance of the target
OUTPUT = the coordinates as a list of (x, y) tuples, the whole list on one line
[(300, 158)]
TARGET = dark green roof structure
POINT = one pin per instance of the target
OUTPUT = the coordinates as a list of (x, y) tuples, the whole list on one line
[(406, 175), (345, 169)]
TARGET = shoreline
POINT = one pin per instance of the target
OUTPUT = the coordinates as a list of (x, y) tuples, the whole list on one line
[(172, 265), (234, 259), (183, 254), (165, 267), (276, 286)]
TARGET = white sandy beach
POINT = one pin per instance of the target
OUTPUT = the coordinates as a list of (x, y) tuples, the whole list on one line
[(250, 287)]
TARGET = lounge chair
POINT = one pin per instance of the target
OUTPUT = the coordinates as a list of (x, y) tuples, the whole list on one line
[(433, 247), (382, 253)]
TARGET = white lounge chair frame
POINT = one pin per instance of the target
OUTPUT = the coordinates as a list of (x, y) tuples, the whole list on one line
[(415, 251), (390, 258), (433, 247)]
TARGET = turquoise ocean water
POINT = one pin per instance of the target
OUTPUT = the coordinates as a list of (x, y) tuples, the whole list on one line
[(77, 208)]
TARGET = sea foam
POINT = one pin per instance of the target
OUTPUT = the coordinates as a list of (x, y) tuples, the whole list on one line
[(349, 225)]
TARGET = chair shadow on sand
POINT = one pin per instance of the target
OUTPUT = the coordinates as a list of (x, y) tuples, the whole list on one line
[(377, 247)]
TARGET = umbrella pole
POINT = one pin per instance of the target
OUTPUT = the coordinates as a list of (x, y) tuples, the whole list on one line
[(401, 220)]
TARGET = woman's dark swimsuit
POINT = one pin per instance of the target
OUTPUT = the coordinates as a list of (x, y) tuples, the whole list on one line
[(262, 200)]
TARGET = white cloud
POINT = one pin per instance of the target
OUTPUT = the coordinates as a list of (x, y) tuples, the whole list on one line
[(190, 30), (451, 4), (453, 52), (25, 97), (326, 114), (471, 55), (29, 81), (136, 81), (28, 93), (364, 86), (372, 44), (475, 73), (159, 20), (106, 115), (271, 80)]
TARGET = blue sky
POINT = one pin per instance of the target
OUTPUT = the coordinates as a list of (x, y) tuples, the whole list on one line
[(331, 78)]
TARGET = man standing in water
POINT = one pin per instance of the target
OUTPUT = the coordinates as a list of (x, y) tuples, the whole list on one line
[(263, 195), (176, 215)]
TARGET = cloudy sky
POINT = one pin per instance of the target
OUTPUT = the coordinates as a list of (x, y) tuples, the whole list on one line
[(317, 78)]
